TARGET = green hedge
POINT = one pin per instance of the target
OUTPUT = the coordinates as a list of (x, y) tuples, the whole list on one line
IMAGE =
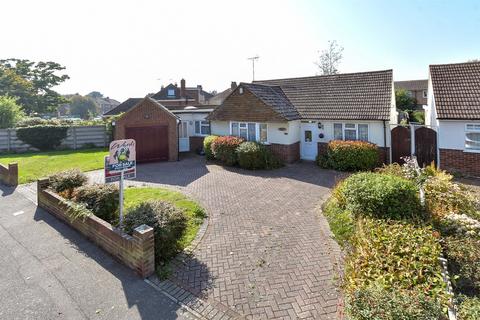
[(349, 156), (225, 149), (252, 155), (468, 308), (207, 147), (43, 137), (66, 181), (101, 199)]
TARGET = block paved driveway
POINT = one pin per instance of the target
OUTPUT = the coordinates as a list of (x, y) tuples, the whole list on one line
[(267, 252)]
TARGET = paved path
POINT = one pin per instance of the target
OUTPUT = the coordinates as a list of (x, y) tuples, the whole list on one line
[(50, 271), (267, 253)]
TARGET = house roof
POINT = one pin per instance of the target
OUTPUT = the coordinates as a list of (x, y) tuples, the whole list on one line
[(456, 90), (350, 96), (274, 97), (412, 85), (219, 97), (123, 107)]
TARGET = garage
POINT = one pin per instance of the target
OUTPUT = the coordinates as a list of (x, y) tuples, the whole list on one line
[(153, 127)]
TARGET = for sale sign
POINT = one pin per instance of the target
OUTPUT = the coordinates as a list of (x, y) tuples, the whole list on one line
[(114, 176), (122, 155)]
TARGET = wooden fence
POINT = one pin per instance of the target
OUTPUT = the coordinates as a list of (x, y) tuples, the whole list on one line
[(77, 137)]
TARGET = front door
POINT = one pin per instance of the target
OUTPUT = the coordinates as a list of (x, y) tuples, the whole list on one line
[(183, 139), (308, 144)]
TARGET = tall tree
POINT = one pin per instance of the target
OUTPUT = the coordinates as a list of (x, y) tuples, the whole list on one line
[(84, 107), (32, 83), (10, 112), (330, 58), (404, 100)]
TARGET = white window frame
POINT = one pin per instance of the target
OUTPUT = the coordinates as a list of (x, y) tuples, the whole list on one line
[(355, 128), (201, 123), (257, 129), (476, 129), (170, 91)]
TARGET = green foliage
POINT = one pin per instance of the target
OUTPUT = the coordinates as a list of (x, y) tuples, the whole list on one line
[(393, 169), (207, 147), (101, 199), (417, 116), (376, 303), (396, 256), (252, 155), (43, 137), (10, 112), (463, 255), (76, 210), (468, 308), (349, 156), (84, 107), (340, 221), (67, 180), (381, 196), (168, 222), (404, 101), (225, 149), (110, 127), (32, 83)]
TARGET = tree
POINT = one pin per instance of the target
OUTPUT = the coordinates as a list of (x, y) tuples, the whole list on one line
[(95, 95), (404, 100), (330, 58), (32, 83), (10, 112), (84, 107)]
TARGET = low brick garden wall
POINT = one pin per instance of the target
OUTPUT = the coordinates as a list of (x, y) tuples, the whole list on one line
[(136, 252), (9, 174)]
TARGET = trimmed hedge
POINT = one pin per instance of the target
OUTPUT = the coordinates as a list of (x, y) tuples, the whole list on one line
[(66, 181), (252, 155), (41, 137), (349, 156), (225, 149), (101, 199), (207, 146)]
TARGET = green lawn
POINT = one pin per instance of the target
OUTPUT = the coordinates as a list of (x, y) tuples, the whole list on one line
[(34, 165), (195, 213)]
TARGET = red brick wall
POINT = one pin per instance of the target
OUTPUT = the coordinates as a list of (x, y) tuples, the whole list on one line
[(148, 113), (136, 252), (458, 161), (9, 175), (196, 143), (289, 153)]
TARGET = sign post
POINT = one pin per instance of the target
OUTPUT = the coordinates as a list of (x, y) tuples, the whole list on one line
[(120, 165)]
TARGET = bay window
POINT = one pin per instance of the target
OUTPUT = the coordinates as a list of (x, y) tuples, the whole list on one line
[(250, 131), (472, 137), (350, 131), (202, 127)]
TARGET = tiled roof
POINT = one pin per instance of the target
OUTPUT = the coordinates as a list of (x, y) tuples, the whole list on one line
[(274, 97), (352, 96), (412, 85), (456, 90), (123, 107)]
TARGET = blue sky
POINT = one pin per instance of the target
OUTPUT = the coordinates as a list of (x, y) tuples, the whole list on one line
[(129, 48)]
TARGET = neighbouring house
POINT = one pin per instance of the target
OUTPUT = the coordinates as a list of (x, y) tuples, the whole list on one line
[(417, 89), (453, 111), (218, 98), (297, 117)]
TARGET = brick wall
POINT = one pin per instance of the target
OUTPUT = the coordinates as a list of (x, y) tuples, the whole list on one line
[(9, 174), (136, 252), (383, 153), (289, 153), (149, 113), (196, 143), (457, 161)]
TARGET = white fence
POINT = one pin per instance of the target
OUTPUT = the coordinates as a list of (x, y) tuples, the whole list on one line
[(77, 137)]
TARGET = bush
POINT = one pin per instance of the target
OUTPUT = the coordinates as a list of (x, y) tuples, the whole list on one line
[(252, 155), (468, 308), (381, 196), (101, 199), (43, 137), (168, 223), (459, 225), (225, 149), (65, 181), (36, 121), (10, 112), (340, 221), (349, 156), (375, 303), (463, 255), (396, 256), (207, 147)]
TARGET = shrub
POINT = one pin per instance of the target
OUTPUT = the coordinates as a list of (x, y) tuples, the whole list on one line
[(396, 256), (207, 147), (381, 196), (468, 308), (10, 112), (225, 149), (66, 181), (168, 223), (340, 221), (463, 255), (101, 199), (43, 137), (36, 121), (459, 225), (375, 303), (252, 155), (350, 156)]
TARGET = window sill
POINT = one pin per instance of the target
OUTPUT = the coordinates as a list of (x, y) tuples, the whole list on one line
[(471, 150)]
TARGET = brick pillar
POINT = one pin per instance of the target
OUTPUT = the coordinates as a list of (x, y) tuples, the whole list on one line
[(144, 250), (13, 174)]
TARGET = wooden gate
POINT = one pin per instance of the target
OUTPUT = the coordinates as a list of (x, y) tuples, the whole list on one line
[(152, 142), (401, 143), (425, 146)]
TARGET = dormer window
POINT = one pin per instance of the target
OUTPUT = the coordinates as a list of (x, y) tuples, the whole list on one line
[(171, 93)]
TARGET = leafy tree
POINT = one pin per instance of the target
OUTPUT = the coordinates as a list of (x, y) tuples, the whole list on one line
[(84, 107), (330, 58), (95, 94), (32, 83), (10, 112), (404, 101)]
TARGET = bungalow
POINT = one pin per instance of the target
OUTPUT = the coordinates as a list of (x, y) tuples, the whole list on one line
[(297, 117), (453, 111)]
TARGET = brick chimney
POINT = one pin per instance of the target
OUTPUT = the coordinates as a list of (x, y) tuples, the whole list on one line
[(182, 89), (233, 85)]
